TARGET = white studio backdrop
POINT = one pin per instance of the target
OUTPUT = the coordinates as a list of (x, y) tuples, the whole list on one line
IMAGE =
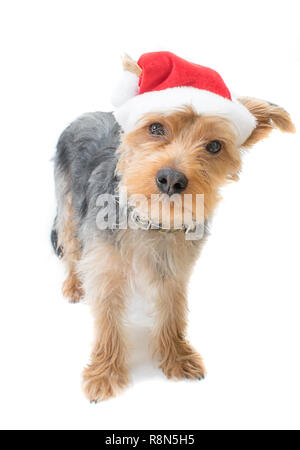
[(60, 59)]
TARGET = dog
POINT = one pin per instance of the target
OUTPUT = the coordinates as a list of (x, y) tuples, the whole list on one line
[(176, 131)]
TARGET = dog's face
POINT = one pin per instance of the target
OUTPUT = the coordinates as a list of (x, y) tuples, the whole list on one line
[(177, 154), (170, 155)]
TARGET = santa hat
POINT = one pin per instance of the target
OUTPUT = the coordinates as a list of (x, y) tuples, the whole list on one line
[(167, 82)]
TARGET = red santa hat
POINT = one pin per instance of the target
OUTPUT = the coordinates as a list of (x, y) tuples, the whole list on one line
[(167, 83)]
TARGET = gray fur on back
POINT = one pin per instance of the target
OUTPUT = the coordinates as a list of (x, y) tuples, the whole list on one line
[(85, 164)]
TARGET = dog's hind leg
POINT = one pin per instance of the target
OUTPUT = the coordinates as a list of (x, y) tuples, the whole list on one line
[(58, 249), (68, 246)]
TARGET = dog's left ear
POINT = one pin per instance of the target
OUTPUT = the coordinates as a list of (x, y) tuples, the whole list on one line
[(268, 116)]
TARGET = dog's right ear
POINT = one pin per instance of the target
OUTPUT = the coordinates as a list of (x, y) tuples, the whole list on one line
[(130, 65), (268, 117)]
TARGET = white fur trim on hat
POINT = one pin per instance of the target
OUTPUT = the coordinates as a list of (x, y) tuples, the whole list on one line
[(127, 87), (202, 101)]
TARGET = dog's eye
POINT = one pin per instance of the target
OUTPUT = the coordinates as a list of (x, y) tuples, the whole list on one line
[(214, 147), (157, 129)]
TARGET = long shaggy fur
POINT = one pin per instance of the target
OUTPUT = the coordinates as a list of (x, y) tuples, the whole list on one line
[(108, 267)]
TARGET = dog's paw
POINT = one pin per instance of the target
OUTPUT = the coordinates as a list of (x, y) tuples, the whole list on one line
[(99, 385), (188, 366), (72, 289)]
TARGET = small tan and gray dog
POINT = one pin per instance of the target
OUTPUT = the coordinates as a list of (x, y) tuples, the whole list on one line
[(176, 132)]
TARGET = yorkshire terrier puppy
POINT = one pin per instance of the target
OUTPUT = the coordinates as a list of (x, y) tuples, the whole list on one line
[(176, 134)]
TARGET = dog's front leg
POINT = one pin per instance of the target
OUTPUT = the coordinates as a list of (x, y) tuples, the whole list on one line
[(177, 358), (104, 286)]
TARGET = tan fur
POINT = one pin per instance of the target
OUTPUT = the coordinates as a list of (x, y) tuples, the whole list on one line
[(158, 265), (130, 65), (72, 288), (177, 358), (182, 149), (268, 116), (104, 281), (109, 275)]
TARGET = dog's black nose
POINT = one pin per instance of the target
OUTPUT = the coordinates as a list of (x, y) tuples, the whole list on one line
[(170, 181)]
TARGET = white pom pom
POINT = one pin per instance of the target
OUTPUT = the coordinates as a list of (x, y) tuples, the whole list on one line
[(127, 88)]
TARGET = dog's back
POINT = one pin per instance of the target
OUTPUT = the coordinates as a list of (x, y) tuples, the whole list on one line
[(85, 164)]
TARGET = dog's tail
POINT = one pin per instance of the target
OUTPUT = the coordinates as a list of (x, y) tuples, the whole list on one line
[(58, 249)]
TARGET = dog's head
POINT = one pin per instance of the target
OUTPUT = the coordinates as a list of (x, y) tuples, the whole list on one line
[(169, 155)]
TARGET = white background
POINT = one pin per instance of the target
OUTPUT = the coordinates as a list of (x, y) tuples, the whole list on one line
[(60, 59)]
